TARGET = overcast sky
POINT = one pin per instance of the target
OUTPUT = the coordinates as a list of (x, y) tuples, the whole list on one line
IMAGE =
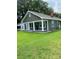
[(55, 4)]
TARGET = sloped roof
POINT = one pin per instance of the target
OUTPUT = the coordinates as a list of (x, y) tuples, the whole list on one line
[(56, 18), (41, 15)]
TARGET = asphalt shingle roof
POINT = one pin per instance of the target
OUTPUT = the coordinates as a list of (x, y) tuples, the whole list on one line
[(43, 16)]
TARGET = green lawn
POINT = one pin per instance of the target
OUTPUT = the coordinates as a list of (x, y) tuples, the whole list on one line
[(38, 45)]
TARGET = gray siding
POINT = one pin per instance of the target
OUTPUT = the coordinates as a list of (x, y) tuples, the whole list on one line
[(31, 18), (54, 25)]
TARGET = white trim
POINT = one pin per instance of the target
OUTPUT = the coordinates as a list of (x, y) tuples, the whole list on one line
[(28, 26), (35, 14), (24, 17), (47, 26), (33, 26), (42, 25), (37, 21), (27, 14), (23, 27)]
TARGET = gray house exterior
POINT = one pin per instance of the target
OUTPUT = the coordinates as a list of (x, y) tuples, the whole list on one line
[(34, 21)]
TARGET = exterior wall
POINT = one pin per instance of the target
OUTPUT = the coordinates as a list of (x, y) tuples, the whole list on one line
[(56, 24), (31, 17), (53, 24)]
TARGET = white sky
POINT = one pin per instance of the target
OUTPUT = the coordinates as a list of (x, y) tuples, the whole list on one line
[(55, 4)]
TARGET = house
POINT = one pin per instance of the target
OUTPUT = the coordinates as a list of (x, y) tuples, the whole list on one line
[(34, 21)]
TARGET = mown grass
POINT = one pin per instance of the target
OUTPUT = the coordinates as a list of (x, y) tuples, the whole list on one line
[(32, 45)]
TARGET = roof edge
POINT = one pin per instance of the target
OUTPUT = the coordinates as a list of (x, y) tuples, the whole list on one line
[(26, 15)]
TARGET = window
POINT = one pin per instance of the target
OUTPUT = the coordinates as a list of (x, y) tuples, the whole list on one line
[(52, 24)]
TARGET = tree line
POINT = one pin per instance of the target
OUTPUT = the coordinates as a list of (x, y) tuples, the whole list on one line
[(33, 5)]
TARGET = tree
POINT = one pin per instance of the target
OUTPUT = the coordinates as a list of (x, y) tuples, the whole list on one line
[(57, 15), (33, 5)]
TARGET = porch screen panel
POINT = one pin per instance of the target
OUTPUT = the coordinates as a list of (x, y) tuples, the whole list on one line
[(45, 25)]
